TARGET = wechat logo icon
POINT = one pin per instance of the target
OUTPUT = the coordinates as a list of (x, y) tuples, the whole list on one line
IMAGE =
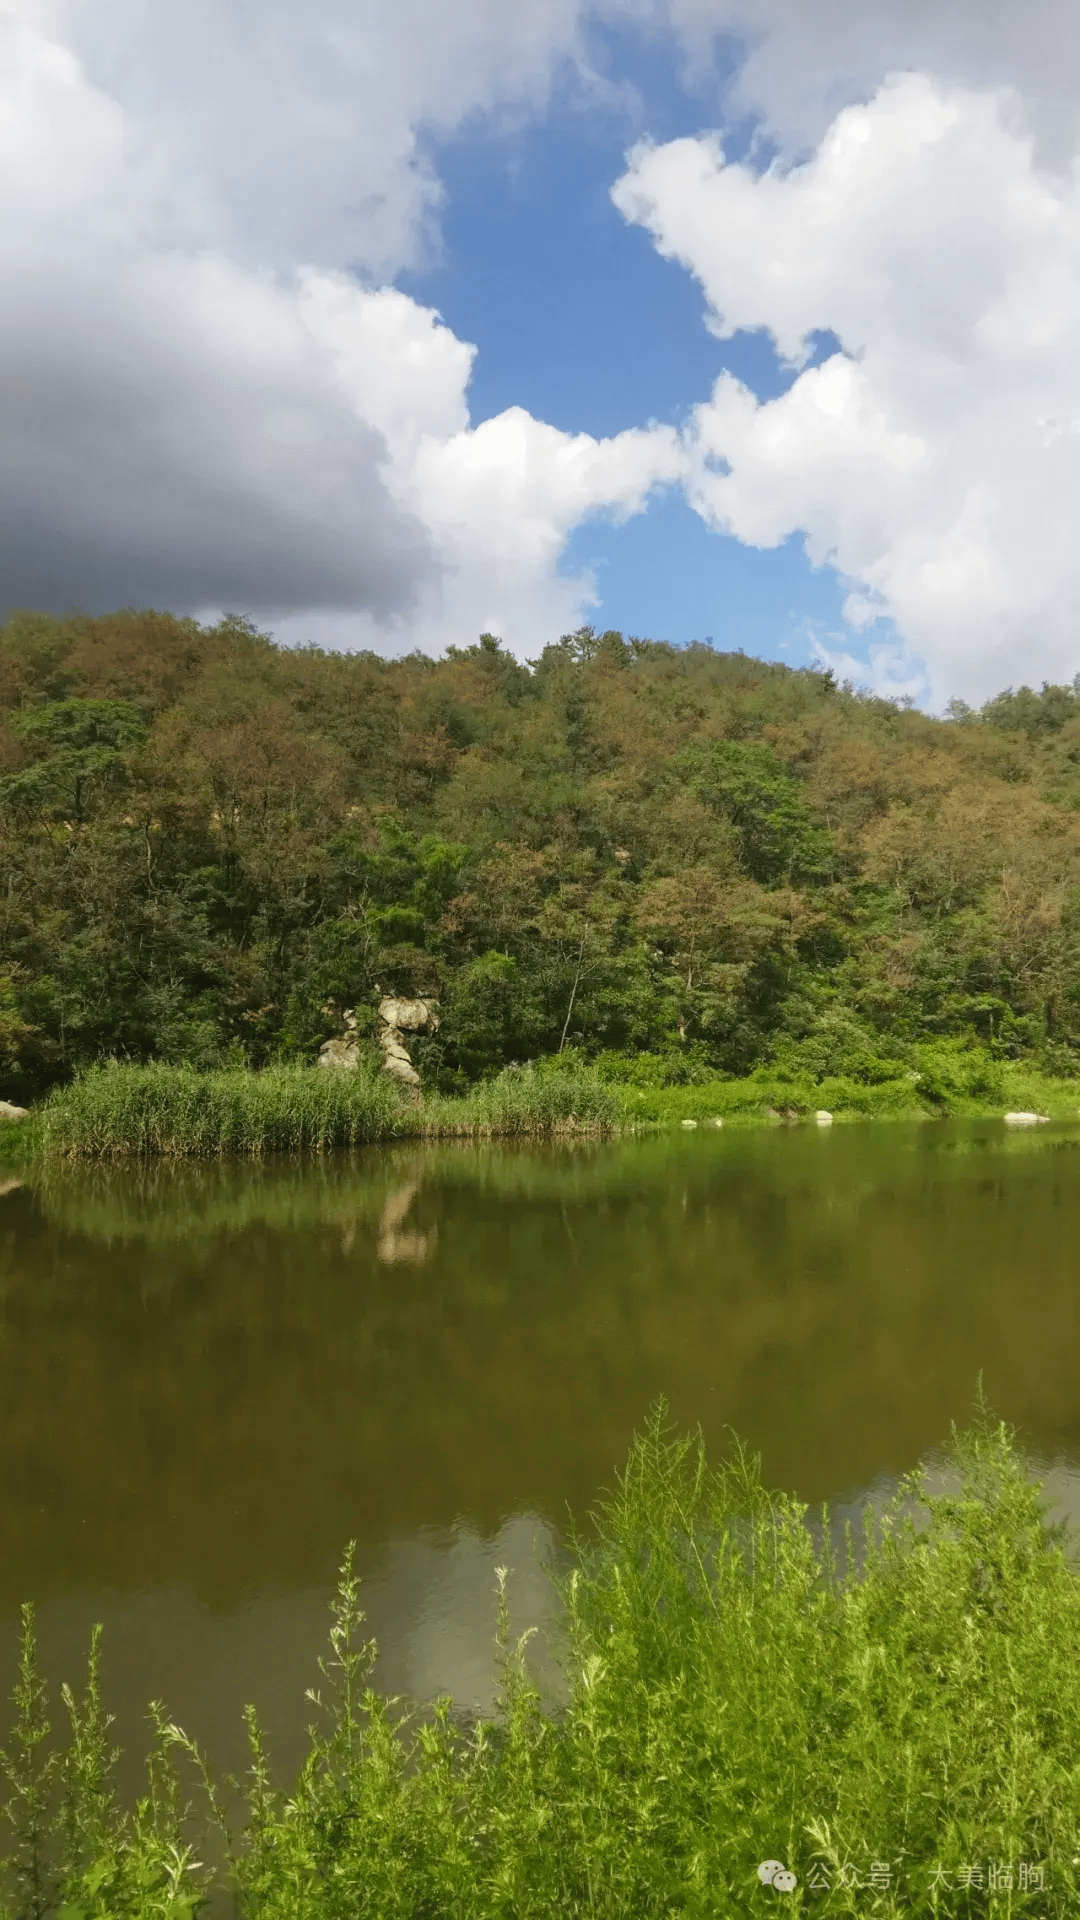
[(773, 1873)]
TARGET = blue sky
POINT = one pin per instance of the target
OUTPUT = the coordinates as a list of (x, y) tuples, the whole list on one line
[(579, 319)]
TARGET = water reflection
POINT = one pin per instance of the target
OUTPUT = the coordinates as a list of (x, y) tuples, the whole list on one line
[(430, 1601), (393, 1242), (212, 1377)]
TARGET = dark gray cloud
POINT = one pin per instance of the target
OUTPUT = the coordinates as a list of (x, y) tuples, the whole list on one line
[(170, 438)]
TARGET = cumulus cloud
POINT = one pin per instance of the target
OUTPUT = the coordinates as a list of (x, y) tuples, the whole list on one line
[(296, 130), (498, 500), (309, 134), (191, 418), (796, 66), (209, 399), (170, 431), (169, 437), (888, 669), (935, 460)]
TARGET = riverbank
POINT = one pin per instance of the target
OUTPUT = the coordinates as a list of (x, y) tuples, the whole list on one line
[(889, 1730), (119, 1111), (766, 1098)]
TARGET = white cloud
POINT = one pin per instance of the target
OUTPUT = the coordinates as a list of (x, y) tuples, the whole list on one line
[(933, 463), (201, 408), (498, 500), (888, 670), (191, 420), (294, 130), (798, 65)]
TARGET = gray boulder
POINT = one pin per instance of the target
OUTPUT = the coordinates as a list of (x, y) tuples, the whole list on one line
[(395, 1018), (410, 1016), (340, 1053)]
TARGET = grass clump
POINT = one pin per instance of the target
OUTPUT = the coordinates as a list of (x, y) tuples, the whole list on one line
[(898, 1721), (534, 1101), (115, 1111)]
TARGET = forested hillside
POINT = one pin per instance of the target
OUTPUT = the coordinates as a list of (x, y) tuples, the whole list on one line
[(211, 845)]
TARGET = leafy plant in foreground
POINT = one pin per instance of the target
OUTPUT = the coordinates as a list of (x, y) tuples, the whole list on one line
[(896, 1715)]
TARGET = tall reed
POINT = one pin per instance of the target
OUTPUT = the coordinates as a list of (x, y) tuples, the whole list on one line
[(115, 1111), (529, 1102)]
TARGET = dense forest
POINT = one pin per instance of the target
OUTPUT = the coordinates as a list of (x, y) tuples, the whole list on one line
[(669, 859)]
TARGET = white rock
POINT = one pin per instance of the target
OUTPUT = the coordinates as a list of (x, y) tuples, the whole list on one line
[(401, 1069), (396, 1017), (688, 1123), (340, 1053), (8, 1111), (823, 1119), (717, 1120), (1025, 1119), (412, 1016)]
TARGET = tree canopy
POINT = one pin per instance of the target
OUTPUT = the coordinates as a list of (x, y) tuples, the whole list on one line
[(210, 845)]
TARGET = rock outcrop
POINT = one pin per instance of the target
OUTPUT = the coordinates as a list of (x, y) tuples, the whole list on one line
[(8, 1111), (395, 1018), (344, 1052)]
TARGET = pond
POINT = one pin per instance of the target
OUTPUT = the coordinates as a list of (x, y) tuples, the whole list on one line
[(213, 1377)]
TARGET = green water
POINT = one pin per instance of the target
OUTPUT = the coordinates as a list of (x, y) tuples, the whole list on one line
[(212, 1378)]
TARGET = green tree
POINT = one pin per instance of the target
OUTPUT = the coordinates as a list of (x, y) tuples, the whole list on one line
[(745, 782)]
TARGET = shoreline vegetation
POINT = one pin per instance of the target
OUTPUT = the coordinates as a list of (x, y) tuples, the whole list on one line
[(120, 1111), (892, 1715)]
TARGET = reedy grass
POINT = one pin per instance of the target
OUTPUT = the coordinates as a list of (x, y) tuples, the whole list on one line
[(117, 1111), (527, 1103), (736, 1693), (19, 1140)]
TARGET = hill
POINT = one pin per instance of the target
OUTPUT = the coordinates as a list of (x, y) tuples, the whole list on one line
[(210, 846)]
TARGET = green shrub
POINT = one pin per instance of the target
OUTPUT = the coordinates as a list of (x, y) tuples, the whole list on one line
[(953, 1074), (742, 1686), (689, 1066)]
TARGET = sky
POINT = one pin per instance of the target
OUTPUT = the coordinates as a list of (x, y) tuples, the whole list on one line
[(388, 323)]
